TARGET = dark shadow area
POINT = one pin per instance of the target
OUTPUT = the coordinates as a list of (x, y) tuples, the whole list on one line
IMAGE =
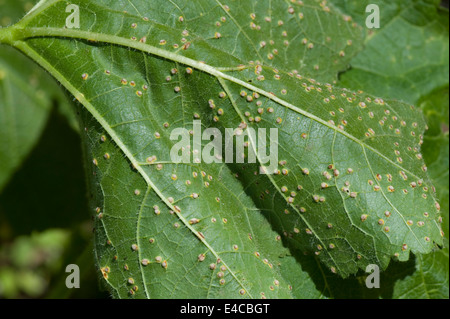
[(340, 73), (49, 190)]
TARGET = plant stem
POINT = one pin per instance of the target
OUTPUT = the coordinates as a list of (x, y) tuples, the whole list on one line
[(6, 35)]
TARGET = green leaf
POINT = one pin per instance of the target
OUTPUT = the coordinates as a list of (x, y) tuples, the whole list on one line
[(27, 94), (430, 279), (407, 57), (419, 12), (437, 159), (223, 230), (436, 107), (436, 144), (418, 52), (24, 108), (421, 28)]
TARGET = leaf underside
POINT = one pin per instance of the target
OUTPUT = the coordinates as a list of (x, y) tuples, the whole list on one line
[(357, 188)]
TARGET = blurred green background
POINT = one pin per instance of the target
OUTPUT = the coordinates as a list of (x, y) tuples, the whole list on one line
[(38, 238)]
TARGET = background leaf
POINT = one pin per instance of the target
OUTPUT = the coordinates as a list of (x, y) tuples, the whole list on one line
[(27, 95), (408, 57)]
